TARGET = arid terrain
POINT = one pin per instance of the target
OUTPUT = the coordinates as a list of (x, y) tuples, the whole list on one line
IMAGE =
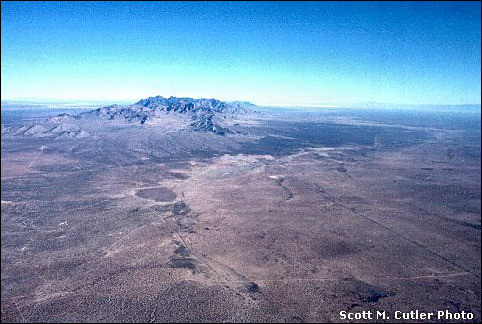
[(290, 217)]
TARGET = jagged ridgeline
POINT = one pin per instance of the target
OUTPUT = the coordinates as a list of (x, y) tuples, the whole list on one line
[(205, 114)]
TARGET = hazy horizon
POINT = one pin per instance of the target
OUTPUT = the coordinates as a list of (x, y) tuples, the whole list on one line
[(86, 104)]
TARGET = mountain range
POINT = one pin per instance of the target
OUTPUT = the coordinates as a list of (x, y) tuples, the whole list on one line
[(204, 114)]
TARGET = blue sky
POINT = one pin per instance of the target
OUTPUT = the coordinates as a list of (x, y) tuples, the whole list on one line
[(271, 53)]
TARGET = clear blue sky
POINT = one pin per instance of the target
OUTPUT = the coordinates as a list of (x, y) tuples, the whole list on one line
[(282, 53)]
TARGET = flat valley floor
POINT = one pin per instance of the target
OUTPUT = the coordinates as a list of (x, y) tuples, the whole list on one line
[(292, 218)]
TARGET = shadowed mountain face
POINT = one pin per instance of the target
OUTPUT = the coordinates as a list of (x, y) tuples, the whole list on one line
[(203, 113)]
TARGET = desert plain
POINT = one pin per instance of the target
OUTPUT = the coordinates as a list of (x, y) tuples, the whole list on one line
[(291, 217)]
